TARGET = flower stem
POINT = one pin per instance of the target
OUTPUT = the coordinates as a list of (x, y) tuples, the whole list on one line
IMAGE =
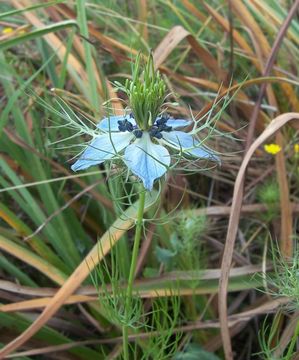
[(128, 301)]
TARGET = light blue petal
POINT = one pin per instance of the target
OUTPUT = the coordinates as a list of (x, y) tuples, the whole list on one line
[(178, 123), (111, 123), (188, 144), (102, 148), (147, 160)]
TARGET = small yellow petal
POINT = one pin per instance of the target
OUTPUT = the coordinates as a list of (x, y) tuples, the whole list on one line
[(272, 148), (7, 30), (296, 148)]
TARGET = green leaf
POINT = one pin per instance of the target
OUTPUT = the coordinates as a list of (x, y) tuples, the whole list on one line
[(164, 255), (37, 33), (195, 352)]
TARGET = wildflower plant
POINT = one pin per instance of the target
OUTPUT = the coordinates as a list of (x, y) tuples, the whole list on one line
[(142, 137), (190, 228), (164, 318), (283, 282), (272, 348), (268, 336), (268, 194), (149, 142), (184, 250)]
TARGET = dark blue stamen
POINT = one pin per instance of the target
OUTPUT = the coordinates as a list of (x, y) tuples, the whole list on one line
[(121, 125), (155, 132), (161, 123), (138, 133), (130, 126), (159, 126), (125, 125)]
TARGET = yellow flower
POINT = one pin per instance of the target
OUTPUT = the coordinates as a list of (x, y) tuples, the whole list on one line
[(272, 148), (296, 148), (7, 30)]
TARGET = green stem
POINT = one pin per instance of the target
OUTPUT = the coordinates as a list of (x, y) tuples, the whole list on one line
[(138, 232)]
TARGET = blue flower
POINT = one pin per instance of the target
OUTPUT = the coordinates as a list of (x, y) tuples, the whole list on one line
[(143, 151)]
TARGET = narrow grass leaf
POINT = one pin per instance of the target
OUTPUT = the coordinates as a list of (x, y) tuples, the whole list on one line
[(6, 44)]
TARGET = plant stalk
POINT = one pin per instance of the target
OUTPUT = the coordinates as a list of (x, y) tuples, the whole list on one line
[(128, 301)]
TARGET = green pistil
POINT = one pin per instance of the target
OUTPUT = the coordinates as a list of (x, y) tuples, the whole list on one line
[(146, 93)]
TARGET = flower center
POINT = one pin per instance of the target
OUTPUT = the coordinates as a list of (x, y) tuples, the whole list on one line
[(154, 131)]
